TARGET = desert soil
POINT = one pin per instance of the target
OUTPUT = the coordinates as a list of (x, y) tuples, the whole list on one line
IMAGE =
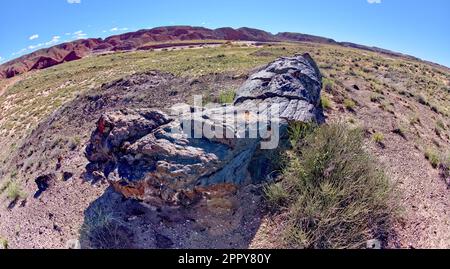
[(56, 217)]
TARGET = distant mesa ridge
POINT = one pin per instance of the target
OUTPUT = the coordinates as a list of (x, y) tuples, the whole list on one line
[(139, 40)]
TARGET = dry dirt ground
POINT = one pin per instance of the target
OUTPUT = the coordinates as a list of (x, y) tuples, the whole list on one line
[(56, 216), (421, 193), (423, 197), (4, 85), (72, 205)]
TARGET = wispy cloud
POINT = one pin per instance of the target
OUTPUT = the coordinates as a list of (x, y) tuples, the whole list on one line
[(55, 39), (374, 1), (32, 47), (74, 1), (33, 37), (19, 52), (79, 35), (117, 29)]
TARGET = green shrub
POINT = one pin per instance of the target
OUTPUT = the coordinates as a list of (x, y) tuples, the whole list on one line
[(326, 103), (276, 195), (299, 130), (102, 229), (378, 137), (327, 84), (13, 190), (333, 193), (3, 243), (349, 104), (432, 157), (227, 97), (374, 98)]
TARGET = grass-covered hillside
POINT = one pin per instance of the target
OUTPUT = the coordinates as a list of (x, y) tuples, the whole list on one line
[(400, 109)]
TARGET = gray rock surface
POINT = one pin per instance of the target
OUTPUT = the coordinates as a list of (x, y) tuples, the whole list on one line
[(293, 83), (150, 156)]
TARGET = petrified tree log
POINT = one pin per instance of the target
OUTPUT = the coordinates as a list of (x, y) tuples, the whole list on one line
[(160, 159)]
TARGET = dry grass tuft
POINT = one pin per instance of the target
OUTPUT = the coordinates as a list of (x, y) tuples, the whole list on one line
[(334, 193)]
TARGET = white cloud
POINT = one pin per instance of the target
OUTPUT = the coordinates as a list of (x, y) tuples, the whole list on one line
[(374, 1), (80, 34), (54, 40), (117, 29), (19, 52), (74, 1), (77, 35), (33, 37), (32, 47)]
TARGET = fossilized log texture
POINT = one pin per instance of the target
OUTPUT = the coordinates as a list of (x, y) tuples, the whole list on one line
[(148, 155)]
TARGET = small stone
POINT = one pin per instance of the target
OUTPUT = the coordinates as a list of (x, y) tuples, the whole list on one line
[(43, 183), (67, 176), (73, 244), (374, 244)]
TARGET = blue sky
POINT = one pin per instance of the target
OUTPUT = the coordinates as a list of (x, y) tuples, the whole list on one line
[(417, 27)]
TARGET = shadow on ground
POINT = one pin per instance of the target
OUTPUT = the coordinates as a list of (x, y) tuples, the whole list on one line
[(113, 222)]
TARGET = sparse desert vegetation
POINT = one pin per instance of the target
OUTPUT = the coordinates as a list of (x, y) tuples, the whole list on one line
[(227, 97), (432, 157), (378, 138), (13, 191), (103, 230), (326, 102), (332, 193), (3, 243), (349, 104), (399, 102)]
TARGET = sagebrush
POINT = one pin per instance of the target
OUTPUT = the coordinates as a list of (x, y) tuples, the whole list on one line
[(334, 193)]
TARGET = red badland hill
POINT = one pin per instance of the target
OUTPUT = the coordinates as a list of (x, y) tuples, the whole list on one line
[(78, 49), (75, 50)]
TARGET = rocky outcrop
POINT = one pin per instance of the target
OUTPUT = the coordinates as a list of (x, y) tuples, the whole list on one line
[(161, 159), (291, 83)]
